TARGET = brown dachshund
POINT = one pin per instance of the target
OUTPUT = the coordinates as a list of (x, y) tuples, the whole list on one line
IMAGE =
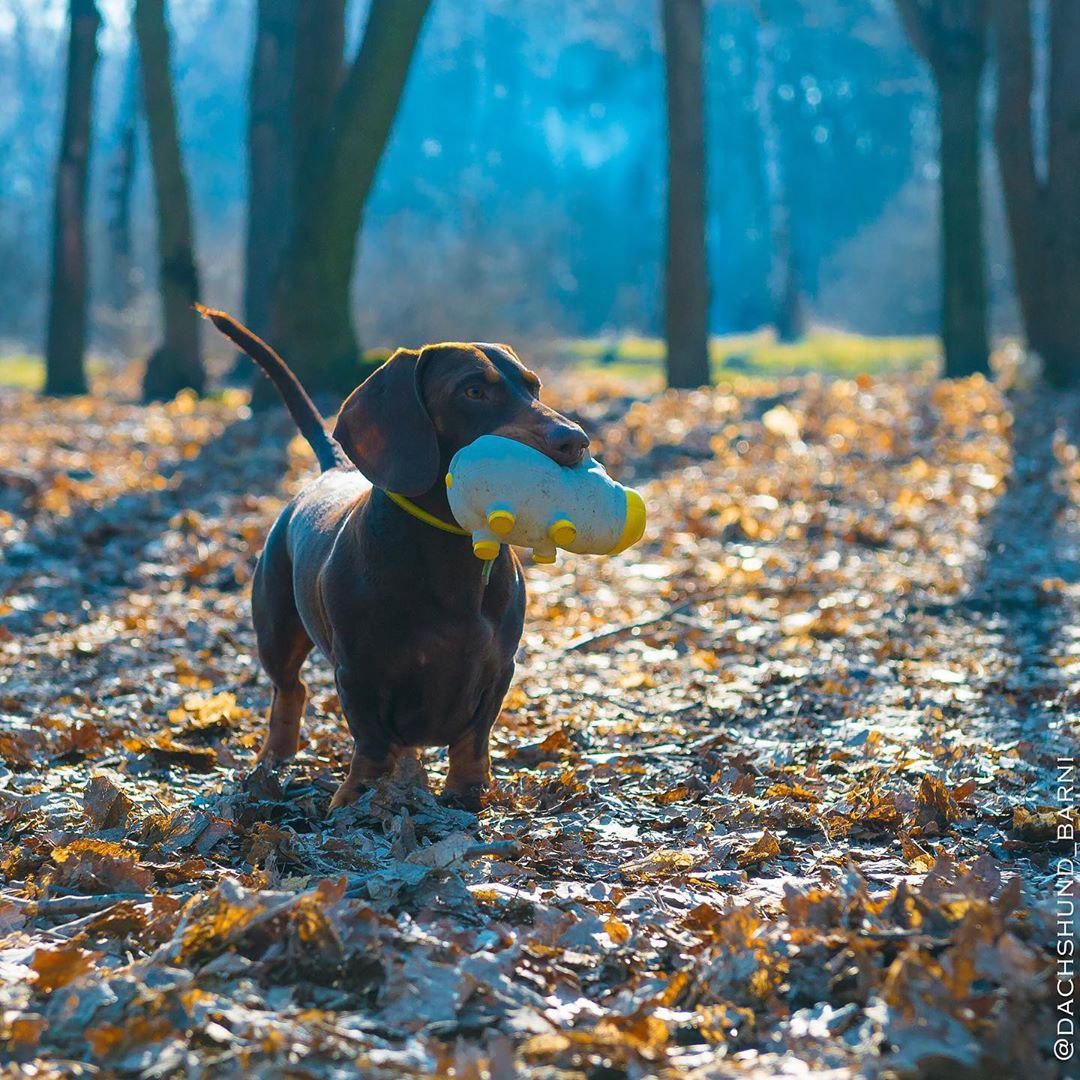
[(422, 649)]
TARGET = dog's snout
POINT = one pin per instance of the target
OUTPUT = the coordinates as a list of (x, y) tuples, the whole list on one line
[(568, 444)]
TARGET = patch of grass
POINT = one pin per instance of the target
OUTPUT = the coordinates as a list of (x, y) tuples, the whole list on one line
[(25, 372), (28, 372), (828, 351)]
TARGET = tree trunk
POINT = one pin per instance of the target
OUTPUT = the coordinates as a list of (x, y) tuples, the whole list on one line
[(790, 312), (318, 72), (1016, 160), (335, 169), (121, 184), (784, 285), (317, 58), (271, 161), (65, 370), (177, 362), (964, 312), (1043, 212), (951, 36), (687, 275)]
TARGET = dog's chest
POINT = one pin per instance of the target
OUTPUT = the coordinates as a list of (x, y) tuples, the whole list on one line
[(454, 648), (436, 680)]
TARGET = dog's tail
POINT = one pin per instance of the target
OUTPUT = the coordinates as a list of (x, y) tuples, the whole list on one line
[(302, 409)]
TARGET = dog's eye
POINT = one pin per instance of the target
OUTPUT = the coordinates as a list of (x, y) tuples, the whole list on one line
[(475, 392)]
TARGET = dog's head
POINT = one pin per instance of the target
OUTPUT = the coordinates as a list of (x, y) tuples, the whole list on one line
[(403, 424)]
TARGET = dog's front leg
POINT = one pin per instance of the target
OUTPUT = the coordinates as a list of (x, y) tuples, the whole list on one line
[(373, 757), (469, 775), (364, 770)]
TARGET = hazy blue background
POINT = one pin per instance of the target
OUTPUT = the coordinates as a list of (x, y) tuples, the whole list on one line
[(522, 192)]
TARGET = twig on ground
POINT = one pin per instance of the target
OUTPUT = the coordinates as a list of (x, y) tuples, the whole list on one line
[(630, 627), (497, 848), (74, 905)]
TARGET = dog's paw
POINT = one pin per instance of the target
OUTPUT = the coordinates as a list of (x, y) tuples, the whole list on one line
[(344, 796), (273, 755)]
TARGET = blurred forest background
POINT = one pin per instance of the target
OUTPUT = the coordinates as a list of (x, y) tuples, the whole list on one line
[(521, 193)]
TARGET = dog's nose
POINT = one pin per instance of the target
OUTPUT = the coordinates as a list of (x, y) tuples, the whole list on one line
[(568, 444)]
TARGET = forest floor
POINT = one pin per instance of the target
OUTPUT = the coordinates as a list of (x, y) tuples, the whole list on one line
[(775, 789)]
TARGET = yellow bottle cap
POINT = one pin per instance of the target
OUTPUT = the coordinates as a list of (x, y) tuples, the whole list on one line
[(501, 521), (563, 532), (546, 560), (449, 480), (486, 549)]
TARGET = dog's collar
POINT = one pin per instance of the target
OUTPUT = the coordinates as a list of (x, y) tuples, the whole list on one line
[(422, 515)]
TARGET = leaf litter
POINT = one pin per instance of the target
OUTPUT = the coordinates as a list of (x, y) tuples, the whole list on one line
[(775, 790)]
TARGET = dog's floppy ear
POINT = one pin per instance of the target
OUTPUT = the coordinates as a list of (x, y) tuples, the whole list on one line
[(385, 429)]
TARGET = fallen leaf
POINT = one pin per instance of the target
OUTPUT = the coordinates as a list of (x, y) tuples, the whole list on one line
[(56, 967)]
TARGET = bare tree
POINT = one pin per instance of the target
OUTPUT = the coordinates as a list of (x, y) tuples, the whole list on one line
[(341, 122), (177, 363), (951, 35), (121, 184), (687, 275), (271, 161), (65, 347), (784, 287), (1042, 199)]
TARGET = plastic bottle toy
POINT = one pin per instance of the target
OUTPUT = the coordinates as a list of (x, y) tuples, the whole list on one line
[(505, 492)]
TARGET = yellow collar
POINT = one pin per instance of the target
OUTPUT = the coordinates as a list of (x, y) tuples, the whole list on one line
[(422, 515)]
